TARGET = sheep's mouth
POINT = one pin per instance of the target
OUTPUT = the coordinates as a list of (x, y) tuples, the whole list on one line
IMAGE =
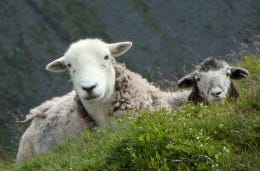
[(218, 99), (91, 97)]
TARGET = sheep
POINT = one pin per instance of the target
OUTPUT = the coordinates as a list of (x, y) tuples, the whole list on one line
[(212, 81), (102, 87), (50, 128)]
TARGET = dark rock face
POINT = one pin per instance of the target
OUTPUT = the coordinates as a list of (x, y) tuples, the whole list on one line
[(168, 36)]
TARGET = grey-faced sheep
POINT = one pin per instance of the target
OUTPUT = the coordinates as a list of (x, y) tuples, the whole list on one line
[(212, 81), (102, 87)]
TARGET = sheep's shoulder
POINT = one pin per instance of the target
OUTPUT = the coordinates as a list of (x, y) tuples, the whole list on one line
[(135, 92)]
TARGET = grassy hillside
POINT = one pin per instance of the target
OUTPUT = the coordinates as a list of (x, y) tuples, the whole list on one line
[(217, 136)]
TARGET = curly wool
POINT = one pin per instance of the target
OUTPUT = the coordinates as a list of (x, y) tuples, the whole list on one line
[(132, 92)]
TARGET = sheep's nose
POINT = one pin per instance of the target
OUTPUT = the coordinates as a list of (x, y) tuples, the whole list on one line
[(216, 93), (89, 89)]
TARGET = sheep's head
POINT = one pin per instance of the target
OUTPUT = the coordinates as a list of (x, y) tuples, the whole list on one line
[(211, 80), (90, 64)]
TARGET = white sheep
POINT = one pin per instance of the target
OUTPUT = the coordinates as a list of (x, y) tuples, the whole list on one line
[(102, 87), (212, 81)]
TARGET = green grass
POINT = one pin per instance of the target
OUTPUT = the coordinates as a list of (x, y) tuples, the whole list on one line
[(219, 136)]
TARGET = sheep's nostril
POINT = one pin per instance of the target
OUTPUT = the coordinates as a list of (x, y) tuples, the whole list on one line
[(89, 89), (216, 93)]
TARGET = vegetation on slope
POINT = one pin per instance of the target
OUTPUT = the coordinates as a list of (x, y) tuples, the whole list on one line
[(219, 136)]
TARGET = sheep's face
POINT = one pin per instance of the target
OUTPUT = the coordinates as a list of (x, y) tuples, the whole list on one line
[(90, 64), (213, 84)]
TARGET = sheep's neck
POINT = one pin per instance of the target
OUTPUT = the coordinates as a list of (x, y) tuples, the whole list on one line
[(98, 111)]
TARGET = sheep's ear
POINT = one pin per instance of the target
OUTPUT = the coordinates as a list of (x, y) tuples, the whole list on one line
[(186, 82), (57, 66), (238, 73), (117, 49)]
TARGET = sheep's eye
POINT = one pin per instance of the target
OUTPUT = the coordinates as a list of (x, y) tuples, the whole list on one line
[(106, 57), (69, 65), (198, 79), (228, 74)]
